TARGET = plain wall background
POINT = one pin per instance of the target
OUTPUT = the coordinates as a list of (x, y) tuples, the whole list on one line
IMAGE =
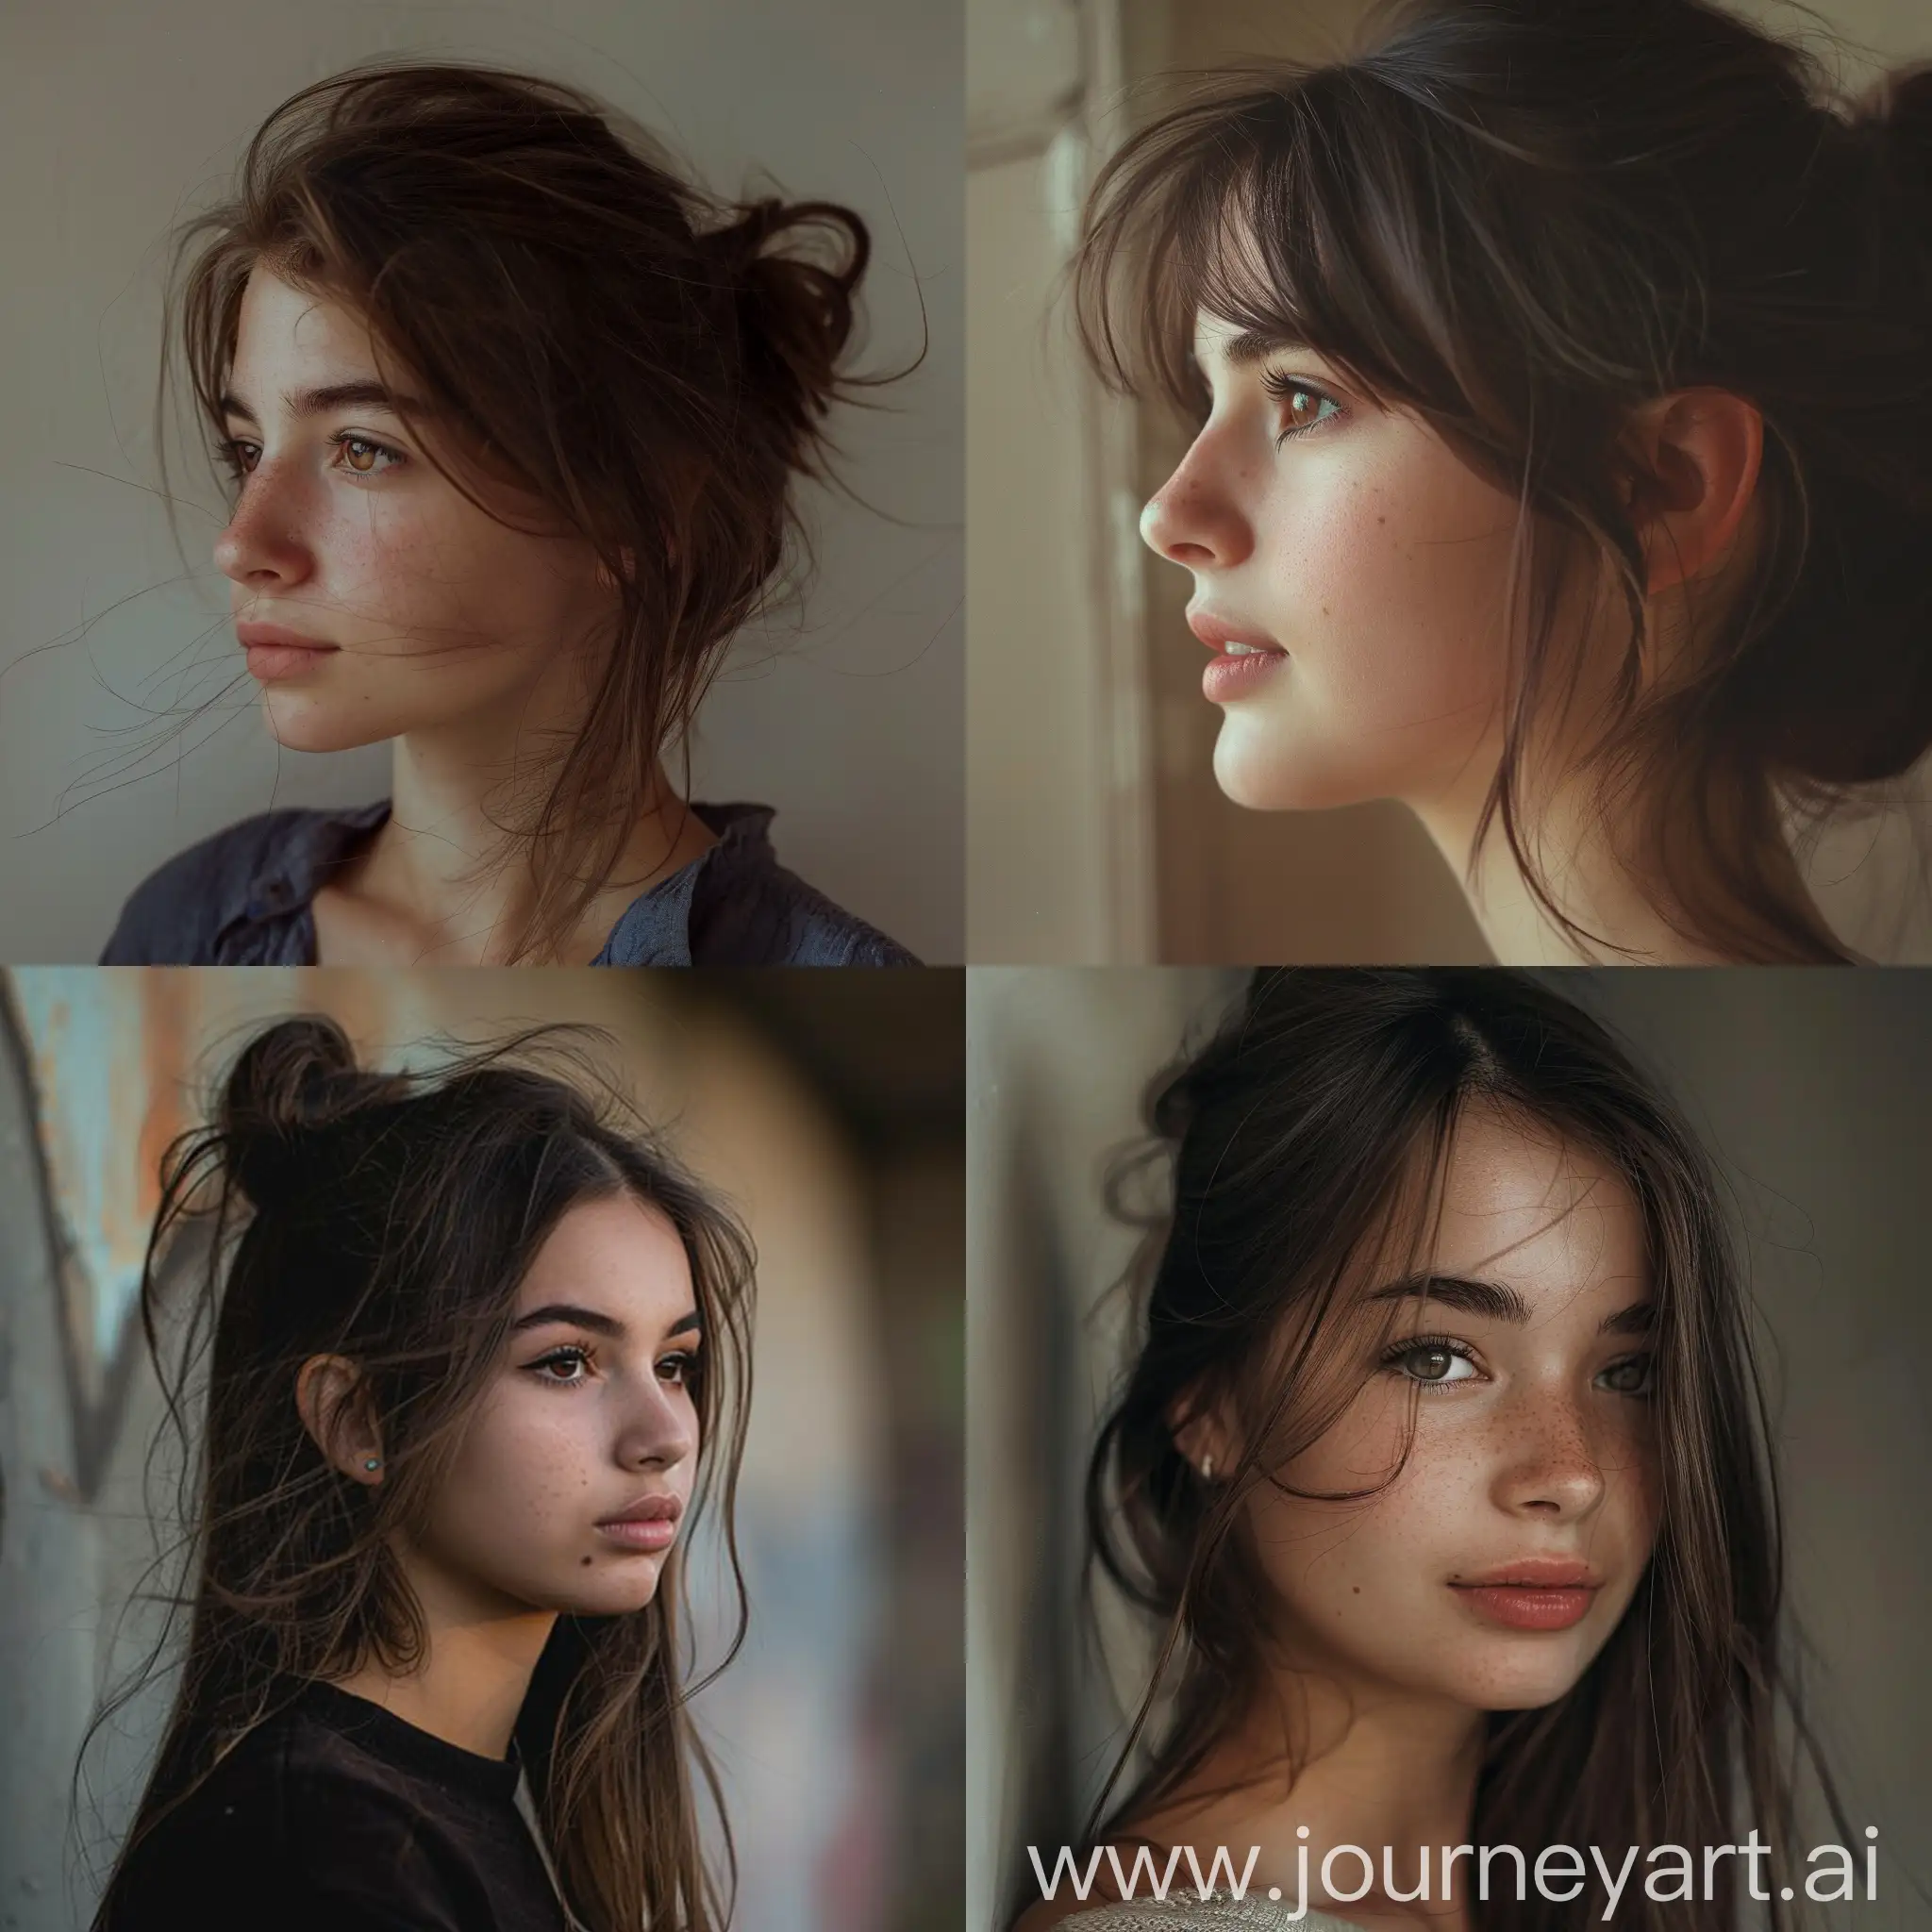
[(1809, 1091), (117, 120)]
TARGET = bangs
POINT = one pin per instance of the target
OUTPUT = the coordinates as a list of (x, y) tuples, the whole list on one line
[(1305, 206)]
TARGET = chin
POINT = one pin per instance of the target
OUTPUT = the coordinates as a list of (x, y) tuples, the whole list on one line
[(1263, 769), (305, 721), (1521, 1675)]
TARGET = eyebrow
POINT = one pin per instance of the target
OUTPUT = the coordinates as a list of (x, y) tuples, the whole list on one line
[(364, 392), (1493, 1302), (1253, 345), (597, 1323)]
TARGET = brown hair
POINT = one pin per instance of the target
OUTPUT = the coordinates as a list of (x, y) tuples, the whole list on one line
[(652, 365), (1522, 219), (390, 1218), (1306, 1143)]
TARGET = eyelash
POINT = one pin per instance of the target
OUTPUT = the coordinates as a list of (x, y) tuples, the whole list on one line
[(1424, 1345), (686, 1358), (1282, 388), (227, 453)]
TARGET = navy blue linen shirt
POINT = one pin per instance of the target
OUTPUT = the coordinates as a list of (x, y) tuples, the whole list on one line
[(245, 897)]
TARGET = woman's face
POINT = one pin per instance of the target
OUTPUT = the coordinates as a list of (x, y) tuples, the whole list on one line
[(1533, 1459), (1368, 562), (589, 1415), (424, 611)]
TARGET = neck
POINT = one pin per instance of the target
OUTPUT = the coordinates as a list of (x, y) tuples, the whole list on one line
[(450, 872), (1353, 1765), (475, 1669), (1580, 853)]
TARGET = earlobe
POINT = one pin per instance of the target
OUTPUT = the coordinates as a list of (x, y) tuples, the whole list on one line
[(1696, 456), (327, 1398), (1200, 1437)]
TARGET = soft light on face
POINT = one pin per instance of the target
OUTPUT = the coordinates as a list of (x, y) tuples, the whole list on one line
[(345, 534), (590, 1412), (1372, 561), (1533, 1440)]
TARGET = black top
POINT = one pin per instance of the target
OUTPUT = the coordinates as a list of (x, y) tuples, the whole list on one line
[(245, 898), (337, 1816)]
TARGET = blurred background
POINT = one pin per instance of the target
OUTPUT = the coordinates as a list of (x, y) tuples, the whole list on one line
[(828, 1107), (1808, 1088), (117, 120), (1097, 832)]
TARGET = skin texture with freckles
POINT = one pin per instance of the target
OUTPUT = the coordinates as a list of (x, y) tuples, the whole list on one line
[(1525, 1451), (1537, 1443), (1393, 577), (574, 1426), (1355, 538), (442, 615), (470, 645)]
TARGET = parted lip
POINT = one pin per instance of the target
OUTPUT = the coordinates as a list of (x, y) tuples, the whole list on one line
[(1218, 632), (251, 634), (648, 1509), (1534, 1573)]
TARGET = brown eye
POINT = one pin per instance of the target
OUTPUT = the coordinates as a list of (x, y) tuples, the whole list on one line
[(1631, 1376), (1433, 1364), (362, 455)]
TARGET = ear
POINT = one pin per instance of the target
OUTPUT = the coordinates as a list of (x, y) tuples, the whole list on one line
[(1695, 455), (328, 1397), (629, 560), (1202, 1436)]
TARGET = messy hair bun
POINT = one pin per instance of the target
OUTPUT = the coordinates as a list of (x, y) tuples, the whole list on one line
[(794, 271), (294, 1086), (1525, 220), (650, 362), (326, 1208)]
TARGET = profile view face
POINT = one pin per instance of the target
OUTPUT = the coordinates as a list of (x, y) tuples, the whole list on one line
[(372, 597), (569, 1483), (1350, 574), (1494, 1565)]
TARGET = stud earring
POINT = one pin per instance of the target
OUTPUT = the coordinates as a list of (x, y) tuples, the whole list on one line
[(1206, 1469), (373, 1462)]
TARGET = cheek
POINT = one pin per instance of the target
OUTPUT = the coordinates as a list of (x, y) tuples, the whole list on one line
[(1392, 1512), (1391, 581), (519, 1472)]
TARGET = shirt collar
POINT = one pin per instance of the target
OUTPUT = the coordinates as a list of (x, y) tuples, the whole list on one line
[(296, 868)]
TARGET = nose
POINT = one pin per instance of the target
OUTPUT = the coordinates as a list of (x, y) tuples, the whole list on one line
[(1551, 1468), (262, 548), (657, 1430), (1194, 518)]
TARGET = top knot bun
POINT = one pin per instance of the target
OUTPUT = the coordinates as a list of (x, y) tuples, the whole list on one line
[(794, 268), (292, 1085)]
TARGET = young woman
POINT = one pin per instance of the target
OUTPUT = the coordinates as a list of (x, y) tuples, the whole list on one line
[(1439, 1467), (1559, 376), (513, 414), (478, 1358)]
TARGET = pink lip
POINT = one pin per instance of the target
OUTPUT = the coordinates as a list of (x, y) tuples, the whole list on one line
[(655, 1533), (649, 1524), (1533, 1593), (659, 1507), (1234, 674), (275, 653)]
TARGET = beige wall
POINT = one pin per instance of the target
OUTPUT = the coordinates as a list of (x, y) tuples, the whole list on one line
[(117, 119)]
